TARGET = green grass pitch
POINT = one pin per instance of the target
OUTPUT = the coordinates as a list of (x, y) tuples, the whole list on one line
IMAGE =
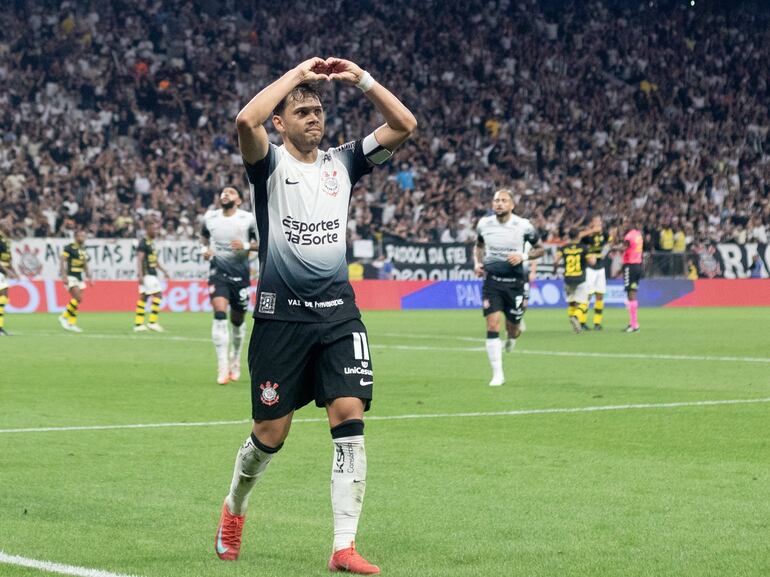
[(663, 484)]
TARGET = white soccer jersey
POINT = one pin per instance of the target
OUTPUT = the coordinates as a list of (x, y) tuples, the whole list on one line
[(302, 212), (501, 239), (221, 230)]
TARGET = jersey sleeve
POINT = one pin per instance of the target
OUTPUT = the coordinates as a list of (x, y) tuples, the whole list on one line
[(142, 246), (66, 252), (530, 235), (260, 171), (352, 156)]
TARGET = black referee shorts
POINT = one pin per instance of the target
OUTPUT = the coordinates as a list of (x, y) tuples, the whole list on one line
[(293, 363), (632, 274)]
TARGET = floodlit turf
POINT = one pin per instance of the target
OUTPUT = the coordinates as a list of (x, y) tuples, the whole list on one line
[(647, 491)]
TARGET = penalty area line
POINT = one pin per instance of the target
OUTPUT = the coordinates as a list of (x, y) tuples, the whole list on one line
[(511, 413), (60, 568)]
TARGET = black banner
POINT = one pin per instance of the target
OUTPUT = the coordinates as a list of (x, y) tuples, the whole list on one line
[(417, 261)]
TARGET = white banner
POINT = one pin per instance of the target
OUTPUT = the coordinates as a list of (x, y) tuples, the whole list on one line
[(108, 259)]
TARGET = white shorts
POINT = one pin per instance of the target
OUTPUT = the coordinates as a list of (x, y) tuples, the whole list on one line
[(75, 282), (576, 292), (3, 281), (150, 285), (596, 280)]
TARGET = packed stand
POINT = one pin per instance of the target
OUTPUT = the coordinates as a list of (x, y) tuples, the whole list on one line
[(113, 112)]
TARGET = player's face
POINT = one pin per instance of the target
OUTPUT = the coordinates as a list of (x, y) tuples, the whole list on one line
[(229, 198), (502, 204), (80, 237), (303, 123), (152, 229), (596, 222)]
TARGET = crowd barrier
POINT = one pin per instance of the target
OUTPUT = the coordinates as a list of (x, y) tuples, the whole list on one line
[(180, 296)]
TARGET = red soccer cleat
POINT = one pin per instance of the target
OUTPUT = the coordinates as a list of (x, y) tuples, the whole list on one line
[(349, 560), (228, 543)]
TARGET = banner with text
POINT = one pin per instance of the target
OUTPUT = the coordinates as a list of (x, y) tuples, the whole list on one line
[(108, 259)]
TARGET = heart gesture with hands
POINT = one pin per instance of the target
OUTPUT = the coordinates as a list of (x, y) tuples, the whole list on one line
[(344, 70), (317, 69)]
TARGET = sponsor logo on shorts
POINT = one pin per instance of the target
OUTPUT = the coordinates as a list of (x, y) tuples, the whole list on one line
[(267, 303), (358, 371), (269, 395), (486, 303), (364, 383)]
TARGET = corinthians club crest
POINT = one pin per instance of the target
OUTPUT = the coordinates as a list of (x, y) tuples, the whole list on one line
[(29, 262), (329, 182), (269, 395)]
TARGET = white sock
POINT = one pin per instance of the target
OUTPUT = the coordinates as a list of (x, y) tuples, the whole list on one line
[(221, 337), (237, 340), (250, 463), (495, 354), (348, 487), (511, 344)]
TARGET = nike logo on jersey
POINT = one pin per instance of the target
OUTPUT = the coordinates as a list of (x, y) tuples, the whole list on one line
[(221, 549), (287, 181), (365, 383)]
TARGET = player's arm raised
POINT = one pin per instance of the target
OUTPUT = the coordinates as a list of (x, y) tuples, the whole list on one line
[(252, 136), (400, 123)]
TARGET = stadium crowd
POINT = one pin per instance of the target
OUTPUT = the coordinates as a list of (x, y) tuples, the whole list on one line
[(113, 111)]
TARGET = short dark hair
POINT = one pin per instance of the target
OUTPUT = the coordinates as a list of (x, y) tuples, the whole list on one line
[(573, 233), (300, 92)]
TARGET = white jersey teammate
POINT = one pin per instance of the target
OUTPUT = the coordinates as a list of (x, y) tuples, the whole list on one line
[(227, 236), (499, 258)]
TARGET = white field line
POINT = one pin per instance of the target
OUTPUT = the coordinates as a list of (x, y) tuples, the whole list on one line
[(56, 567), (512, 413), (519, 351)]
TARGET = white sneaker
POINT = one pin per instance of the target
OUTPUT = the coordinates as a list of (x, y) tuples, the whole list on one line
[(235, 369), (140, 329), (497, 380), (223, 376), (64, 323), (155, 327), (510, 344), (75, 329)]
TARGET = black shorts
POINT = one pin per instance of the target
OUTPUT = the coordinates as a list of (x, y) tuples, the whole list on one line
[(632, 274), (507, 297), (236, 292), (293, 363)]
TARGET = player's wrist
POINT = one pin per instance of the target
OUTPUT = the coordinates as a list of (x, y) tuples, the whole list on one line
[(524, 257), (366, 82)]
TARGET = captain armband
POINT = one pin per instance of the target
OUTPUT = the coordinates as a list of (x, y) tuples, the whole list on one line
[(374, 151)]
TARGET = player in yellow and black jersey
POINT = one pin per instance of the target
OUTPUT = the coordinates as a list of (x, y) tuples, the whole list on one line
[(574, 256), (149, 284), (74, 273), (599, 242), (6, 271)]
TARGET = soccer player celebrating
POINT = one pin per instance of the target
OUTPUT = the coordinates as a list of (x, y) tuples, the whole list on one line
[(574, 256), (74, 274), (498, 258), (632, 273), (228, 235), (6, 271), (598, 241), (308, 342), (149, 283)]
